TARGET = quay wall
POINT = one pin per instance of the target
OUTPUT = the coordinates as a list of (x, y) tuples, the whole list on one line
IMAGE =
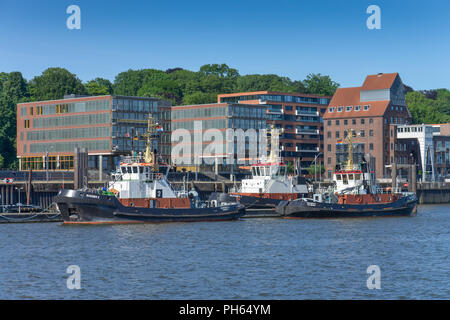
[(42, 191)]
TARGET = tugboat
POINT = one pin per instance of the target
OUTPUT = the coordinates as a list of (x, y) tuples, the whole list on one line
[(140, 193), (354, 194), (269, 185)]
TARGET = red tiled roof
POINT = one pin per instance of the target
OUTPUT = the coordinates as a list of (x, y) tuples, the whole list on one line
[(345, 97), (379, 81)]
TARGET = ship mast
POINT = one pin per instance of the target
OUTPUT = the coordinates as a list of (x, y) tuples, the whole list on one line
[(349, 140), (274, 155), (149, 155)]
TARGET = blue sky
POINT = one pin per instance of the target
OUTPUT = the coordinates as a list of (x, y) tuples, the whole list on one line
[(289, 38)]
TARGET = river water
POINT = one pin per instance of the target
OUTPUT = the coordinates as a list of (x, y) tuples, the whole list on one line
[(246, 259)]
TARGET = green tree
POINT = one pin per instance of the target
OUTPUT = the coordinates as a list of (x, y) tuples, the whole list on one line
[(99, 87), (54, 83), (319, 84), (200, 98), (319, 168), (424, 110), (13, 89), (129, 83), (272, 82), (162, 88), (221, 70)]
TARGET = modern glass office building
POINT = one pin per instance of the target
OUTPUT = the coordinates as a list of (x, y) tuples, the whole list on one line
[(218, 116), (108, 126)]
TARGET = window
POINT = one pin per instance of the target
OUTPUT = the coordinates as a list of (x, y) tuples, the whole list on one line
[(353, 121), (288, 108), (362, 121), (26, 124), (371, 133), (362, 133), (337, 122), (339, 109), (357, 108), (337, 134), (329, 147), (331, 109), (366, 107), (371, 146), (329, 134), (370, 121), (345, 122), (329, 122), (329, 160), (349, 108)]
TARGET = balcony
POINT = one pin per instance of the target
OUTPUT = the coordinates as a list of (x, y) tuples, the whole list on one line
[(306, 131), (275, 111), (299, 149), (306, 113)]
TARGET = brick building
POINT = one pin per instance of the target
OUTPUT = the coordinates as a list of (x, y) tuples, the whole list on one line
[(373, 111)]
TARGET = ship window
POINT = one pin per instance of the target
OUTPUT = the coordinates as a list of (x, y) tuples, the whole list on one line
[(135, 169), (124, 170), (129, 169), (358, 176), (344, 179), (141, 170), (338, 177), (350, 177)]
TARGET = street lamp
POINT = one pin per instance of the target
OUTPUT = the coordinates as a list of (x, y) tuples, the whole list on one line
[(315, 166), (18, 189), (46, 162)]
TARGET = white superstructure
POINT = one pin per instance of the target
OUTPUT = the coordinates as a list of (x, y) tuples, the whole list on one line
[(424, 135)]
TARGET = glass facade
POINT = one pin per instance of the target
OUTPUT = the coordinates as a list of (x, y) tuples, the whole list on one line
[(54, 163), (74, 107), (129, 122), (106, 125), (222, 117), (91, 132), (66, 121), (95, 145), (273, 97)]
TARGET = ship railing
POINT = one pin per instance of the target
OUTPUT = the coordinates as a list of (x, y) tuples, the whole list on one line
[(388, 190), (132, 159)]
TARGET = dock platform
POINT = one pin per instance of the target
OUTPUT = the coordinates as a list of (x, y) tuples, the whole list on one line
[(30, 217)]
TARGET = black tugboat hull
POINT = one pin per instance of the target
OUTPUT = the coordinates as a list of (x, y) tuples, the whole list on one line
[(257, 207), (80, 207), (405, 206)]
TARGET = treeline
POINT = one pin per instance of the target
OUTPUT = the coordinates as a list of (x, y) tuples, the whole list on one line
[(180, 86), (429, 106)]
